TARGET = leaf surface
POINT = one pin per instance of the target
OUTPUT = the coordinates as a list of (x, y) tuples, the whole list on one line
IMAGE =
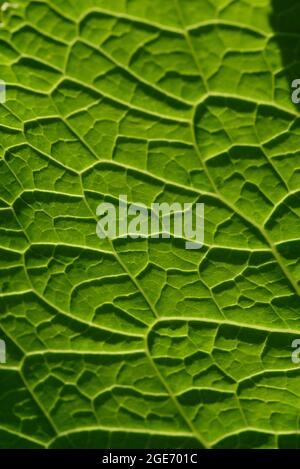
[(130, 343)]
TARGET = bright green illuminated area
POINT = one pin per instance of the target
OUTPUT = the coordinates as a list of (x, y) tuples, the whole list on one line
[(143, 343)]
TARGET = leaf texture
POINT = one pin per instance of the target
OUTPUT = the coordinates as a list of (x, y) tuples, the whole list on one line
[(142, 343)]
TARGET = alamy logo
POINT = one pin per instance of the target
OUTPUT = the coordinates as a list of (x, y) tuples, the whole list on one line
[(296, 92), (161, 220), (296, 352), (2, 351), (2, 91)]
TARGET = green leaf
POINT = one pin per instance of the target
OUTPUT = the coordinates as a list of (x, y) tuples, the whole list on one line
[(142, 343)]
